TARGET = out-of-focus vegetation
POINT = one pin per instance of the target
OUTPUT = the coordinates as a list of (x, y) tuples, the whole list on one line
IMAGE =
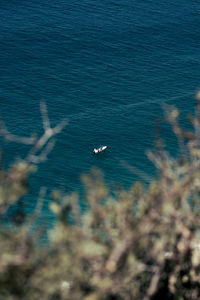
[(141, 243)]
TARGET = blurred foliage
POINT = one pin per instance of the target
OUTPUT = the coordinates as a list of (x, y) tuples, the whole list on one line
[(141, 243)]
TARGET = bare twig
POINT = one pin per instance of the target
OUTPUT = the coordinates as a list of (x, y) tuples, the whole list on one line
[(172, 116), (197, 120), (136, 171), (43, 155), (76, 209), (38, 207), (154, 283), (118, 252), (1, 160), (14, 138), (42, 145), (44, 113)]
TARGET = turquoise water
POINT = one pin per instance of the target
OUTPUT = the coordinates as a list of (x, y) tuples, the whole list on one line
[(107, 66)]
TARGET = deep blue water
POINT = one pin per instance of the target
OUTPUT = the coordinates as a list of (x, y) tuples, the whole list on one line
[(107, 66)]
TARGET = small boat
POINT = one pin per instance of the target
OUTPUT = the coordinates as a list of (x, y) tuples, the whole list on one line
[(96, 151)]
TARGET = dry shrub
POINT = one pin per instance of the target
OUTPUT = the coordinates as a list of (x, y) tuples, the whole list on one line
[(141, 243)]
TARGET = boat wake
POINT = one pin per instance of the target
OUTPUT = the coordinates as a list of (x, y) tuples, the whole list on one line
[(106, 110)]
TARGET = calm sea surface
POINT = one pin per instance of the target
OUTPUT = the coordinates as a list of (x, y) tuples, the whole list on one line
[(107, 66)]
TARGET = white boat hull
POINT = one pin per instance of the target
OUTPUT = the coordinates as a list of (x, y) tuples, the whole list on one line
[(96, 151)]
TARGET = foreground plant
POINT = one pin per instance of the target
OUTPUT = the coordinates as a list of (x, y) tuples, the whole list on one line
[(141, 243)]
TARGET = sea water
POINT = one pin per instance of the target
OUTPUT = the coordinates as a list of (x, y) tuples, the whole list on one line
[(108, 67)]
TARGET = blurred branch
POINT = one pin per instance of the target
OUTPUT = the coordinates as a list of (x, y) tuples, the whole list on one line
[(136, 171), (44, 113), (121, 248), (39, 205), (45, 144), (43, 155), (14, 138), (1, 159), (172, 115), (154, 283)]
